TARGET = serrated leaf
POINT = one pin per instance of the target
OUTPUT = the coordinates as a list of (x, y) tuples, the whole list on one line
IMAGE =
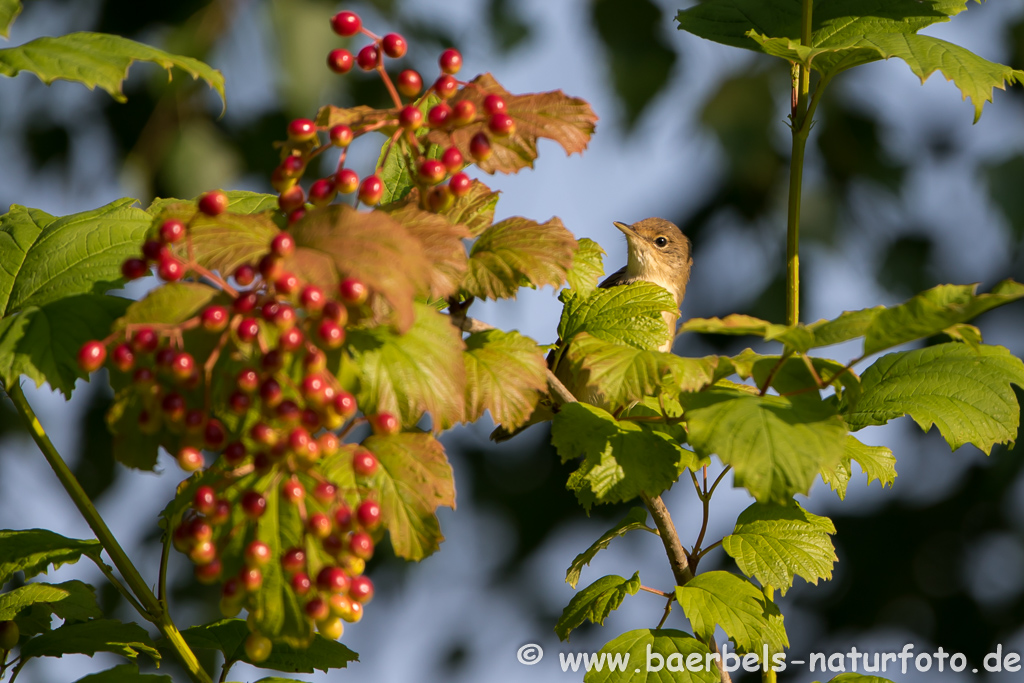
[(71, 600), (393, 163), (240, 202), (587, 267), (675, 647), (132, 447), (370, 246), (595, 602), (629, 314), (611, 375), (877, 462), (636, 519), (518, 252), (98, 59), (795, 337), (90, 637), (441, 241), (621, 459), (9, 11), (776, 446), (569, 121), (506, 374), (228, 636), (410, 374), (776, 543), (793, 378), (719, 598), (474, 210), (965, 392), (126, 673), (33, 551), (414, 479)]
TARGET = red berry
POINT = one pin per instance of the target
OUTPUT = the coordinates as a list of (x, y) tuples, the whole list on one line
[(234, 453), (361, 590), (311, 298), (145, 340), (335, 311), (450, 61), (331, 334), (283, 244), (325, 492), (409, 83), (154, 250), (214, 434), (248, 381), (446, 86), (214, 318), (293, 560), (333, 580), (253, 504), (385, 424), (190, 459), (343, 517), (245, 302), (394, 46), (291, 199), (301, 130), (208, 574), (364, 463), (319, 525), (204, 499), (239, 403), (452, 159), (438, 115), (460, 184), (91, 356), (221, 512), (293, 491), (346, 181), (170, 269), (289, 412), (345, 404), (257, 554), (410, 118), (134, 268), (346, 23), (287, 283), (263, 433), (480, 147), (203, 552), (123, 357), (300, 583), (291, 339), (501, 124), (165, 356), (270, 392), (317, 609), (361, 545), (353, 291), (213, 203), (494, 104), (251, 579), (172, 230), (248, 329), (231, 590), (143, 377), (339, 61), (298, 439), (182, 365), (322, 192), (368, 57), (296, 215), (313, 388), (369, 514), (432, 171), (371, 190), (463, 112)]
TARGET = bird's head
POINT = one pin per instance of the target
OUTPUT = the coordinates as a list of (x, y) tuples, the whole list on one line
[(659, 252)]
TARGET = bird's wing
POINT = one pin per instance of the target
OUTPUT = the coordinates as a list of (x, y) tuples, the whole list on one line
[(615, 279)]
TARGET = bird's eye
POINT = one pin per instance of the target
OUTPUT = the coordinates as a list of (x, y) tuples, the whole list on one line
[(661, 241)]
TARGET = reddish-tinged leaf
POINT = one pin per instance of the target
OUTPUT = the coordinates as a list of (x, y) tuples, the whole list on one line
[(413, 481), (518, 252), (441, 240), (569, 121), (505, 373), (371, 246), (474, 210)]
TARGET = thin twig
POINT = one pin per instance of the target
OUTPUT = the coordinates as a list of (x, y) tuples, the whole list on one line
[(121, 588), (718, 481), (771, 375), (656, 591), (668, 610)]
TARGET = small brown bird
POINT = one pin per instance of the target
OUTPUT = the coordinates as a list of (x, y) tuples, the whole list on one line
[(658, 252)]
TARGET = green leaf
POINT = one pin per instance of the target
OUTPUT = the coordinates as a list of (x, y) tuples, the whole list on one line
[(629, 314), (9, 11), (90, 637), (228, 636), (795, 337), (775, 445), (965, 392), (673, 647), (518, 252), (419, 371), (924, 315), (776, 543), (126, 673), (98, 59), (394, 171), (718, 598), (474, 210), (132, 447), (877, 462), (621, 459), (595, 602), (858, 678), (71, 600), (171, 304), (505, 373), (441, 241), (587, 267), (613, 374), (33, 551), (636, 519), (414, 479)]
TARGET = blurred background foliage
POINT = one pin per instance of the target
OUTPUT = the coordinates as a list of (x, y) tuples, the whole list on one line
[(940, 563)]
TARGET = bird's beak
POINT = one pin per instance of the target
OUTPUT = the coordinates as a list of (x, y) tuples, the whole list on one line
[(626, 229)]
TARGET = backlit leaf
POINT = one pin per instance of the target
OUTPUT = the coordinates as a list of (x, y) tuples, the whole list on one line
[(628, 314), (718, 598), (674, 648), (71, 600), (595, 602), (33, 551), (518, 252), (587, 267), (505, 373), (636, 519), (90, 637)]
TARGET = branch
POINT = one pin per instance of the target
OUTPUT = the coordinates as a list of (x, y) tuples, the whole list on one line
[(677, 557)]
